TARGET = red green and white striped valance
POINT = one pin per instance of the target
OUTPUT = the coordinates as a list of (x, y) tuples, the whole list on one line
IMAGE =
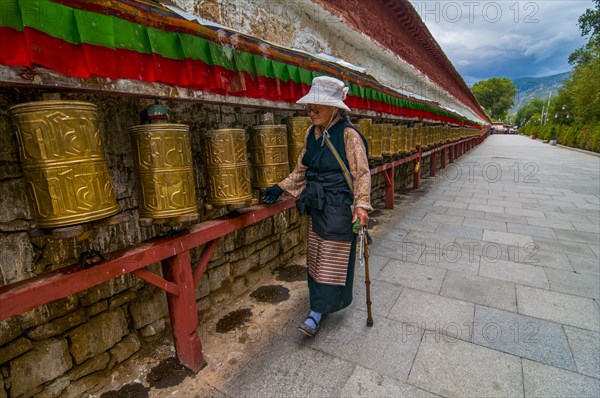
[(140, 40)]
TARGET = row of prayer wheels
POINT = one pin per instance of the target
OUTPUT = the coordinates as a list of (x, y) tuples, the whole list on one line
[(387, 140), (69, 182)]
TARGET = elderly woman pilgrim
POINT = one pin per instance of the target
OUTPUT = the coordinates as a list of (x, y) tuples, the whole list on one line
[(334, 183)]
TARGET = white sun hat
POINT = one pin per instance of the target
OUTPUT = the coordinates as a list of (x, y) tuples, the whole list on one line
[(326, 90)]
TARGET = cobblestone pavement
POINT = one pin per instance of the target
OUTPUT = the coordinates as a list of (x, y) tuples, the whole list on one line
[(487, 285)]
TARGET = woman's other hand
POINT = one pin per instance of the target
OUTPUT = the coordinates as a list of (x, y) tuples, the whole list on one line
[(360, 213), (271, 194)]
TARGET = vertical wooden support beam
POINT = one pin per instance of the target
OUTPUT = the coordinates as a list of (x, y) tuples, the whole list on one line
[(443, 159), (417, 169), (183, 312), (432, 161), (388, 174), (451, 153)]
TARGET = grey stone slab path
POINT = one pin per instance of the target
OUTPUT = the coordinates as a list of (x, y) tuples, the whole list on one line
[(485, 283)]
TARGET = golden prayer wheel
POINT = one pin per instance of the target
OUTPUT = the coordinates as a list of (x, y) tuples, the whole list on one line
[(296, 131), (412, 135), (429, 136), (365, 126), (165, 167), (395, 140), (403, 139), (386, 140), (63, 162), (419, 137), (226, 164), (269, 150), (376, 135)]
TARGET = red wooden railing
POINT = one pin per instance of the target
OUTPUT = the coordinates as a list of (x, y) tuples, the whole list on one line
[(180, 277)]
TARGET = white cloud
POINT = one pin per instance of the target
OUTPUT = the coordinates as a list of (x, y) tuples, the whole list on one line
[(509, 38)]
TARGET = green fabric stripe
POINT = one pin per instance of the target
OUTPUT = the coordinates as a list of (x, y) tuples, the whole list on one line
[(244, 61), (264, 67), (294, 72), (305, 76), (77, 26), (95, 28), (221, 56), (165, 43), (280, 70), (195, 48), (132, 37), (10, 15), (51, 18)]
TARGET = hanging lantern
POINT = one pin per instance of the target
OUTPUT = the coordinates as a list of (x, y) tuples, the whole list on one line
[(165, 167), (269, 149), (63, 162)]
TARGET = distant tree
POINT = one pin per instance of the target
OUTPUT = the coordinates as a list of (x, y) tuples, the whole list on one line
[(528, 110), (496, 95), (584, 86), (589, 23)]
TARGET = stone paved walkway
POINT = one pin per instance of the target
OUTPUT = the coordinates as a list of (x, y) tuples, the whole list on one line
[(488, 285)]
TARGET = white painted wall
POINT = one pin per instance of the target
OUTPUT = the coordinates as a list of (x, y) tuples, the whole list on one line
[(307, 26)]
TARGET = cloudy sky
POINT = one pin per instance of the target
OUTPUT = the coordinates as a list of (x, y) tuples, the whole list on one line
[(512, 38)]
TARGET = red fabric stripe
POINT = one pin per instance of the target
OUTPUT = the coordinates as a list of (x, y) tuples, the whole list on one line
[(101, 61), (13, 50), (135, 66), (56, 54), (33, 47)]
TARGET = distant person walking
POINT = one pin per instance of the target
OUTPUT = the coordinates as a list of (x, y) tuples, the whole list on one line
[(333, 182)]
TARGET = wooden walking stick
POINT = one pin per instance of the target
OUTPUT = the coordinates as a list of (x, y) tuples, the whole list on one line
[(364, 258)]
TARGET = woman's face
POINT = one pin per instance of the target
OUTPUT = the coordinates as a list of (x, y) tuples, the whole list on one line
[(320, 115)]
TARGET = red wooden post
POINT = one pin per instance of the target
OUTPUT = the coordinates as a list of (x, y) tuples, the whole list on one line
[(432, 164), (417, 169), (183, 311), (388, 174), (443, 160), (451, 153)]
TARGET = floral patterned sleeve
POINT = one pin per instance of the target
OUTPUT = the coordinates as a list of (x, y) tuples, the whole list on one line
[(295, 182), (359, 168)]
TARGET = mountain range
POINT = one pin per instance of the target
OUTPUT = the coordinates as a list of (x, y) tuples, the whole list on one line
[(537, 87)]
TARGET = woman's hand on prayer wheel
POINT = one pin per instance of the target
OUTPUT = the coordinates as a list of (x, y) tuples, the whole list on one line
[(271, 194)]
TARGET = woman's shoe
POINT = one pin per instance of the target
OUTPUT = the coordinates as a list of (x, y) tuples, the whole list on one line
[(307, 330)]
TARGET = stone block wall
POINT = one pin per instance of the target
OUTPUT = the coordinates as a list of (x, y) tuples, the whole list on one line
[(68, 346)]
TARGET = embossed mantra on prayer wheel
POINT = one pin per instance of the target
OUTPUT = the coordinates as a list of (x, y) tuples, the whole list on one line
[(395, 140), (269, 150), (63, 162), (376, 135), (404, 142), (419, 137), (226, 163), (365, 126), (386, 139), (165, 167), (296, 130)]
